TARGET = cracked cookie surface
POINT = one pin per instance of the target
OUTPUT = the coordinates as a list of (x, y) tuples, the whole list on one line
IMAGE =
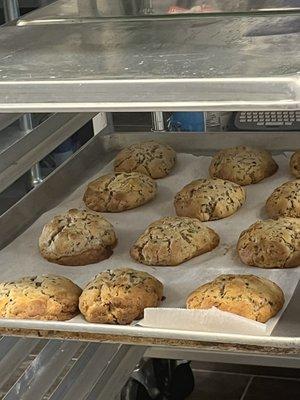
[(285, 201), (172, 241), (209, 199), (271, 243), (119, 192), (150, 158), (119, 296), (78, 237), (249, 296), (243, 165), (44, 297), (295, 164)]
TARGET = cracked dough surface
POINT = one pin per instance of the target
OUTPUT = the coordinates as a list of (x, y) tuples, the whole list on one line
[(285, 201), (119, 296), (209, 199), (119, 192), (78, 237), (150, 158), (45, 297), (172, 241), (243, 165), (295, 164), (271, 244), (249, 296)]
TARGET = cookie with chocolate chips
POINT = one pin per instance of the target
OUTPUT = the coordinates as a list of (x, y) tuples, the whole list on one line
[(243, 165), (285, 201), (271, 244), (249, 296), (119, 296), (209, 199), (295, 164), (78, 237), (45, 297), (172, 241), (119, 192), (150, 158)]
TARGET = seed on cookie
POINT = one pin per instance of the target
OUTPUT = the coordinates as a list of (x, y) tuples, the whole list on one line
[(209, 199), (172, 241), (119, 296), (119, 192)]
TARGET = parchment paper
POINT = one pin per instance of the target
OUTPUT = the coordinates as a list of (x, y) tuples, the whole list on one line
[(22, 258)]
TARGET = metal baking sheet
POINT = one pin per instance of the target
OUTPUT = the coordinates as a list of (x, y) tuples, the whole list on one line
[(285, 335), (225, 63)]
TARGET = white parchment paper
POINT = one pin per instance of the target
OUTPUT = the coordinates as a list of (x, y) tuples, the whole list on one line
[(22, 258)]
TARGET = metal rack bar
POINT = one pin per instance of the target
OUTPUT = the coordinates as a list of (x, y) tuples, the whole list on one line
[(19, 156), (8, 119), (84, 374), (43, 371), (115, 375), (16, 353)]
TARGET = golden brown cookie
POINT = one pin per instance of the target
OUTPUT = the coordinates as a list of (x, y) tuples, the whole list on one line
[(119, 296), (271, 244), (209, 199), (295, 164), (78, 237), (150, 158), (249, 296), (45, 297), (285, 201), (172, 241), (119, 192), (243, 165)]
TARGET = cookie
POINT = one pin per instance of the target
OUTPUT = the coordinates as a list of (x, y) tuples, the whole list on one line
[(172, 241), (119, 296), (243, 165), (78, 237), (271, 244), (295, 164), (249, 296), (285, 201), (45, 297), (119, 192), (150, 158), (209, 199)]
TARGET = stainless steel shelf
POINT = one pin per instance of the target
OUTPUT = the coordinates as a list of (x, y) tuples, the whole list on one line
[(70, 11), (212, 63)]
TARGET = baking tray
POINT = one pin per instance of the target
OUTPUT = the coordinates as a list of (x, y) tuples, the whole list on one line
[(90, 159)]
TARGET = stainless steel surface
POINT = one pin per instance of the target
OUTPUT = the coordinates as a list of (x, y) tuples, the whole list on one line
[(43, 371), (16, 354), (90, 159), (116, 374), (69, 11), (21, 150), (35, 171), (7, 119), (232, 357), (158, 121), (11, 9), (81, 378), (214, 63)]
